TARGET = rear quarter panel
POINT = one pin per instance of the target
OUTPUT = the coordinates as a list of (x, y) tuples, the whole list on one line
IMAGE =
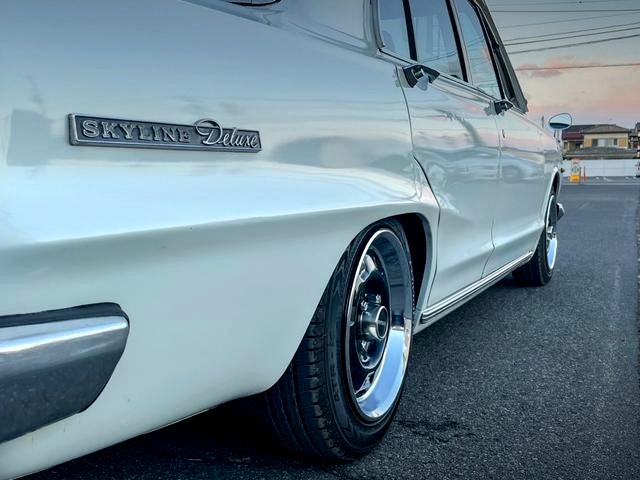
[(218, 258)]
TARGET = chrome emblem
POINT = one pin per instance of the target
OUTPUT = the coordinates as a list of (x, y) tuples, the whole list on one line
[(205, 134)]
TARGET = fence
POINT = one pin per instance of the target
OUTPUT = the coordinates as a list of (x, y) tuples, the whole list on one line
[(602, 168)]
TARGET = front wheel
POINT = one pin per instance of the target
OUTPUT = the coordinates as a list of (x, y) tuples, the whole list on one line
[(339, 394), (539, 270)]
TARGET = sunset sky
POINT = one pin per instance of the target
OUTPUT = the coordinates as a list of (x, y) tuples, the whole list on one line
[(608, 94)]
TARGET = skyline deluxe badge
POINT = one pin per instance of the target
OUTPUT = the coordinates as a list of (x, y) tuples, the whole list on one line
[(205, 134)]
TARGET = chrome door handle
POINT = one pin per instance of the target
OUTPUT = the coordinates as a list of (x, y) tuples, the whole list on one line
[(413, 73), (502, 106)]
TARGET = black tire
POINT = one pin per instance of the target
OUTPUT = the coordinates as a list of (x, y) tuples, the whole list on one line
[(312, 408), (538, 270)]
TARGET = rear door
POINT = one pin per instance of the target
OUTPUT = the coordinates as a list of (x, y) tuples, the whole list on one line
[(523, 176), (455, 138)]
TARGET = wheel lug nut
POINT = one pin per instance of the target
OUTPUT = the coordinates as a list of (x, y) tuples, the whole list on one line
[(374, 298)]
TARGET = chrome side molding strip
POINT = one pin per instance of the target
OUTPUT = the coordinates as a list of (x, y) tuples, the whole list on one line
[(55, 364), (435, 312)]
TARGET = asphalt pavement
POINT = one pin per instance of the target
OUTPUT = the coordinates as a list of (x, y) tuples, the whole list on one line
[(520, 383)]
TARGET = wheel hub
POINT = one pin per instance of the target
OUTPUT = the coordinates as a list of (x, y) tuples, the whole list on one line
[(372, 329)]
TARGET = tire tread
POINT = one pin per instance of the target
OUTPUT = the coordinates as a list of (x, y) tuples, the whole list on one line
[(535, 272), (297, 410)]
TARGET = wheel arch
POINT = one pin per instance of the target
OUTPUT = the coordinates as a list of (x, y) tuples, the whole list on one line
[(556, 181), (554, 184), (420, 239)]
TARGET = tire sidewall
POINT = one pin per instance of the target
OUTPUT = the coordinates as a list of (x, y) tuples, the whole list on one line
[(355, 431), (545, 271)]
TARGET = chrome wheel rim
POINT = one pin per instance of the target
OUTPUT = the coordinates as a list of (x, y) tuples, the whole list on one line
[(378, 327), (552, 235)]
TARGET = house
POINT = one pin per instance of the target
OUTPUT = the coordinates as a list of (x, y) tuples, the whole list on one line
[(595, 135), (573, 137), (633, 137), (606, 136), (600, 141)]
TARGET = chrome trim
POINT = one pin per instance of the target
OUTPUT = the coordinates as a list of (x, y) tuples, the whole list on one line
[(376, 24), (205, 134), (376, 365), (551, 235), (435, 312), (560, 211), (378, 36), (53, 369)]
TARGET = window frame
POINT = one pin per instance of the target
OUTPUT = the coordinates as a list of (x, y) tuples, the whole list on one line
[(252, 3), (378, 33), (462, 49), (464, 66), (412, 39), (507, 79), (508, 90), (502, 64), (490, 47)]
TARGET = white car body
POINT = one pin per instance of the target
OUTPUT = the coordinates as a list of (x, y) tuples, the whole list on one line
[(220, 258)]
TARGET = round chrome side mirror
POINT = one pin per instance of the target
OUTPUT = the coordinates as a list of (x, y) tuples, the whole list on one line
[(562, 121)]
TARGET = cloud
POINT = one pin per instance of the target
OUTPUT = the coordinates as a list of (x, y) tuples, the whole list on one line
[(554, 67), (591, 95), (545, 73)]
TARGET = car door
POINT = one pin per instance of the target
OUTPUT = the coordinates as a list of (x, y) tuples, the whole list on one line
[(455, 139), (521, 181), (522, 185)]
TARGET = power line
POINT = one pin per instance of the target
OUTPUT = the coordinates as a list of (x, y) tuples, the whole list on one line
[(590, 10), (571, 36), (546, 2), (570, 20), (571, 67), (572, 31), (592, 42), (531, 4)]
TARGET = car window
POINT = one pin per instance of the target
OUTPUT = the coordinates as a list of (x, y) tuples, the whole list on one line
[(483, 74), (393, 27), (436, 45)]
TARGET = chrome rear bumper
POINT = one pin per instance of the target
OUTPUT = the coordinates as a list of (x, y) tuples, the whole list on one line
[(54, 364)]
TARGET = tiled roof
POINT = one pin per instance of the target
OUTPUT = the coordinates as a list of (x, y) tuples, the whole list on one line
[(580, 128), (606, 128), (572, 136), (575, 132)]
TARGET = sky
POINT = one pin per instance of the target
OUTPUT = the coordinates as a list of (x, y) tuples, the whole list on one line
[(551, 83)]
